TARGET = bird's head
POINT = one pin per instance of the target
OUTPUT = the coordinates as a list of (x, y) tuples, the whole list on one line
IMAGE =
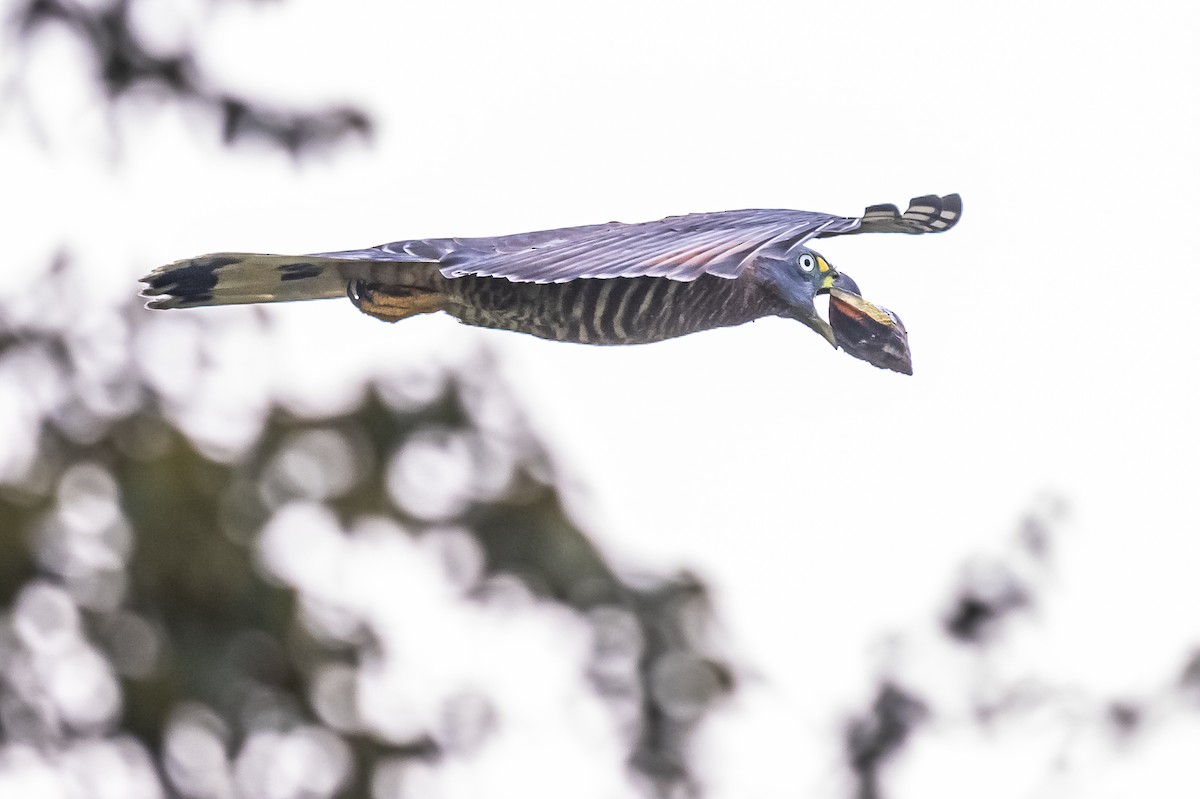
[(866, 331)]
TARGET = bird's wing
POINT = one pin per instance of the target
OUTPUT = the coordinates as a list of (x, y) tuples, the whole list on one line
[(928, 214), (679, 247)]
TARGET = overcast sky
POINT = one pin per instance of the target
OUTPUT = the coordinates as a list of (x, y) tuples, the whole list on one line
[(1053, 332)]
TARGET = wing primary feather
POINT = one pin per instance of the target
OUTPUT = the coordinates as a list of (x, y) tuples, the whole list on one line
[(926, 214)]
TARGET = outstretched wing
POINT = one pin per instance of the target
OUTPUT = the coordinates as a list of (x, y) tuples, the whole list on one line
[(928, 214), (679, 247)]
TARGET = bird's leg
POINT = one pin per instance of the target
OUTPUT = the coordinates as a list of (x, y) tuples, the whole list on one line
[(393, 302)]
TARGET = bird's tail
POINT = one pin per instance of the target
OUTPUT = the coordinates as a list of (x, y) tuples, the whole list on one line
[(233, 278)]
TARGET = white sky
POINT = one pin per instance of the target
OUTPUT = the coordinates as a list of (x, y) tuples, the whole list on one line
[(1052, 331)]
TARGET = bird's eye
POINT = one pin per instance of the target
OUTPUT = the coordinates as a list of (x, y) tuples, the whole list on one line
[(807, 262)]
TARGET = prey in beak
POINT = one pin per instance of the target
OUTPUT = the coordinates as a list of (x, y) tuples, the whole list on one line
[(867, 331), (864, 330)]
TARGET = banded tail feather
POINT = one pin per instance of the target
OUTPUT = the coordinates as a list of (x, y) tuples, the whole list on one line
[(236, 278)]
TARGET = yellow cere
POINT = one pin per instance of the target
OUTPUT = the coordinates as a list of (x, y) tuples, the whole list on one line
[(823, 266)]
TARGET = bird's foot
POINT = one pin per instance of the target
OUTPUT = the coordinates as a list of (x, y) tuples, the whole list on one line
[(392, 303)]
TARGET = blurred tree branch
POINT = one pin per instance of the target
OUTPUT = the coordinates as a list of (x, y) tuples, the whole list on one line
[(126, 63)]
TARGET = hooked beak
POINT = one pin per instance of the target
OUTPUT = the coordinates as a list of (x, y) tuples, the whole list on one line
[(867, 331)]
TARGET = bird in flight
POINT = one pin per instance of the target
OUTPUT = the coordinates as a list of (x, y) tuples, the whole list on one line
[(613, 283)]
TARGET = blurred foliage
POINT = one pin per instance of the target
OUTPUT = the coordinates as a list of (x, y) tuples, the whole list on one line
[(156, 635), (126, 62), (873, 738), (129, 559)]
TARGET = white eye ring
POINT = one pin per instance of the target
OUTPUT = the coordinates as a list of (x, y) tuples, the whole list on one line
[(807, 262)]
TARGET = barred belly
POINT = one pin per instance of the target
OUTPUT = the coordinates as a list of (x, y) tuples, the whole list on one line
[(619, 310)]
